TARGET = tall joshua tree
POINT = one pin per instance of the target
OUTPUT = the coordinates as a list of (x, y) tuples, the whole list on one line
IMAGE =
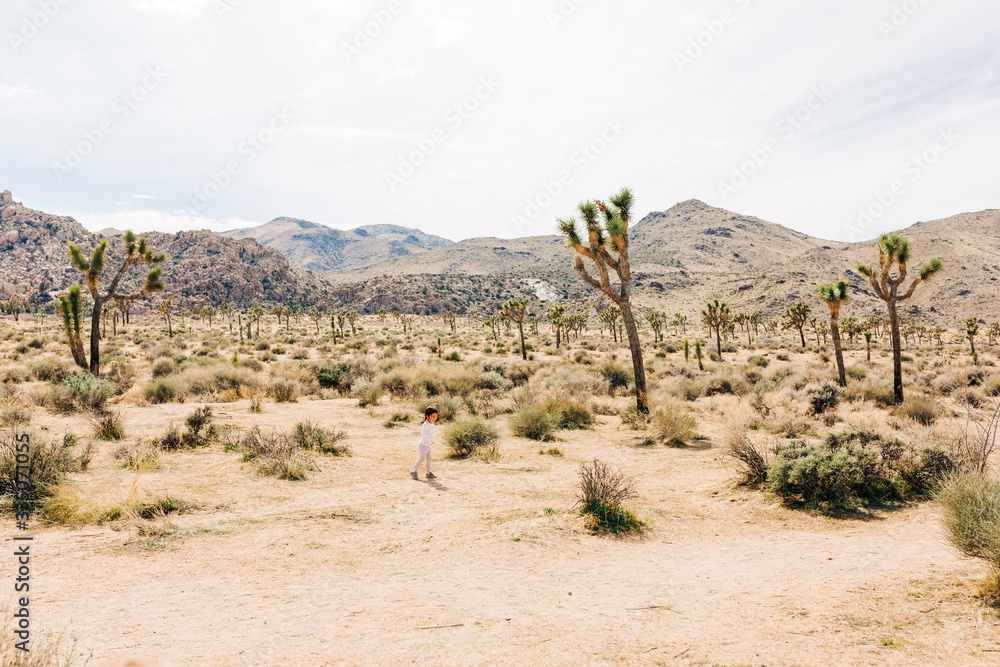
[(716, 318), (971, 329), (556, 317), (514, 311), (795, 318), (137, 251), (894, 250), (71, 307), (604, 241), (834, 295)]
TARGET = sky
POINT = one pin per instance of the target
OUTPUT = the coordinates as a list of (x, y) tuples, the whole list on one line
[(838, 118)]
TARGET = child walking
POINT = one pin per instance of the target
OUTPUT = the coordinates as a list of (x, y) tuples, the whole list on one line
[(424, 446)]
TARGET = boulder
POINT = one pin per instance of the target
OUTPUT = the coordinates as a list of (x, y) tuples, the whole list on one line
[(6, 198), (12, 236), (8, 212)]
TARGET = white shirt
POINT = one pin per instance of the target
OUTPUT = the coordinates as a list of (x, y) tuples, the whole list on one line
[(426, 435)]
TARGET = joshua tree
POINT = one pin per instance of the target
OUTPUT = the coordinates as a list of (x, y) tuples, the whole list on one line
[(938, 332), (209, 312), (352, 317), (603, 240), (556, 317), (534, 325), (514, 311), (493, 322), (795, 318), (71, 307), (824, 330), (14, 306), (716, 318), (971, 329), (382, 312), (137, 251), (687, 350), (316, 315), (680, 321), (449, 318), (656, 324), (609, 316), (165, 307), (867, 333), (993, 332), (851, 328), (697, 353), (256, 314), (834, 295), (894, 250)]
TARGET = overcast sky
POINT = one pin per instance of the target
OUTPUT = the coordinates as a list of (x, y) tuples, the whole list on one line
[(461, 118)]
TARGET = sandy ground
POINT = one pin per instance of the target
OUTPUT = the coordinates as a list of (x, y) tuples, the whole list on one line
[(360, 564)]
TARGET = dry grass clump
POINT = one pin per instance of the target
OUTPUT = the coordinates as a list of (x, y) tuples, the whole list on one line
[(51, 370), (534, 422), (15, 413), (109, 425), (79, 393), (199, 431), (73, 505), (602, 497), (673, 424), (283, 391), (309, 435), (448, 408), (920, 410), (877, 391), (163, 390), (137, 456), (274, 453), (970, 504), (752, 458), (473, 436), (46, 466)]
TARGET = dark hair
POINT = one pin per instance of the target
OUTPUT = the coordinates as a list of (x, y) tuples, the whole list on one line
[(430, 411)]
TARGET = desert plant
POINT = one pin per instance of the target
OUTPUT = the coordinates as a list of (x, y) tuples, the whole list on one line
[(140, 457), (534, 422), (515, 312), (752, 460), (368, 393), (672, 424), (46, 465), (109, 425), (327, 441), (970, 504), (603, 494), (163, 390), (921, 410), (470, 436), (136, 252), (283, 390), (796, 317), (971, 329), (615, 374), (894, 250), (834, 295), (71, 307), (823, 397), (716, 317), (275, 454), (80, 392), (617, 218)]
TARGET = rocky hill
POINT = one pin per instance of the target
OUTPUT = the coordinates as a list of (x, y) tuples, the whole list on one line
[(320, 248), (202, 267)]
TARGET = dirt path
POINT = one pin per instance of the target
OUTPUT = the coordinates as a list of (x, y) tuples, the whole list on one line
[(362, 565)]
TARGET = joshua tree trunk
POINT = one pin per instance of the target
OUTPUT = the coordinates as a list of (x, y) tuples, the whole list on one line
[(95, 338), (897, 353), (524, 353), (835, 331), (638, 370)]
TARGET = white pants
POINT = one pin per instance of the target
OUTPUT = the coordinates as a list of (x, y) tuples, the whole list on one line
[(425, 458)]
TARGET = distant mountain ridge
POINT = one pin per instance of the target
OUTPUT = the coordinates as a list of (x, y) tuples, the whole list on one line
[(317, 247)]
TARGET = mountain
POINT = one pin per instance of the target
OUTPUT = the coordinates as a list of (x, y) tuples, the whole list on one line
[(320, 248), (202, 267)]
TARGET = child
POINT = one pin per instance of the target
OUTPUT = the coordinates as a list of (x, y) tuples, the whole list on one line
[(426, 440)]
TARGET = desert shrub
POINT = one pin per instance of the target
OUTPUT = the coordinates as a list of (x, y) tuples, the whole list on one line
[(199, 425), (752, 459), (447, 407), (367, 392), (109, 425), (333, 376), (518, 372), (493, 381), (50, 370), (615, 374), (688, 390), (823, 397), (218, 378), (453, 356), (879, 393), (672, 424), (534, 422), (80, 392), (327, 441), (14, 374), (472, 436), (275, 454), (262, 346), (137, 456), (602, 496), (855, 465), (251, 365), (163, 390), (724, 384), (46, 466), (569, 414), (582, 357), (163, 367), (921, 410), (283, 391), (970, 505), (855, 372), (759, 361), (15, 413)]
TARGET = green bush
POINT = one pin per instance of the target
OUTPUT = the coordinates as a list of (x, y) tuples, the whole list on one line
[(368, 393), (81, 392), (447, 407), (163, 390), (283, 390), (971, 516), (310, 436), (602, 497), (470, 436), (534, 422), (109, 426), (569, 414), (759, 361), (921, 410), (616, 375), (823, 397), (673, 424), (50, 370), (855, 372), (163, 367)]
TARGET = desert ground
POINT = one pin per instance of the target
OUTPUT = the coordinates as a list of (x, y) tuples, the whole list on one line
[(199, 554)]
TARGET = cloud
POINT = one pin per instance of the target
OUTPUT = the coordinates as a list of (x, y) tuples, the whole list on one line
[(147, 220)]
